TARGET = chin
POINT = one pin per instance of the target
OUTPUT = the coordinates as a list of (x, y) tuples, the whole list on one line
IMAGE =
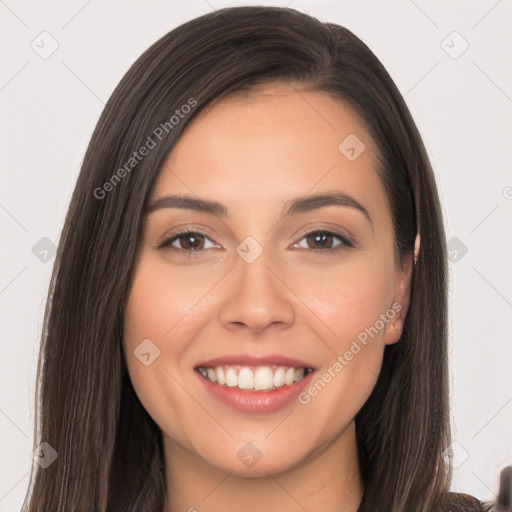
[(244, 467)]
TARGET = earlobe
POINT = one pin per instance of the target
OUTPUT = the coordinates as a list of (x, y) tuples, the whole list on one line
[(394, 331)]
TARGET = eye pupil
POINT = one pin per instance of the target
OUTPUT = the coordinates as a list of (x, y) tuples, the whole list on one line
[(194, 243), (319, 237)]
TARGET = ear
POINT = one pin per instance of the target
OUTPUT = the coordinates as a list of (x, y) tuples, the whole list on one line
[(401, 298)]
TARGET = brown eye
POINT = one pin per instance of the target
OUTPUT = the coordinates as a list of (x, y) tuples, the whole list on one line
[(320, 239), (323, 240), (189, 241)]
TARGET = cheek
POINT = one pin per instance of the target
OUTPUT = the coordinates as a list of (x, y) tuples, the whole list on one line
[(160, 300), (350, 303), (165, 307), (163, 312), (347, 299), (350, 306), (160, 306)]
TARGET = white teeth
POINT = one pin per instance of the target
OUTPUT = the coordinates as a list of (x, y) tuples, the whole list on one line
[(231, 378), (262, 378), (219, 373), (279, 377), (289, 376), (245, 379)]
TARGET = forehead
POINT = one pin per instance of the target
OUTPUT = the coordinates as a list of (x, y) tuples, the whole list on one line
[(270, 143)]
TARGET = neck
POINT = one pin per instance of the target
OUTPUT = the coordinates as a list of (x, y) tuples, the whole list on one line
[(328, 479)]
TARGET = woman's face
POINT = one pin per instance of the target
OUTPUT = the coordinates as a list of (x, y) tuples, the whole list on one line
[(267, 284)]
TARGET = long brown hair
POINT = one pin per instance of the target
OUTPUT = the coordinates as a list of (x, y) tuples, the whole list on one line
[(109, 449)]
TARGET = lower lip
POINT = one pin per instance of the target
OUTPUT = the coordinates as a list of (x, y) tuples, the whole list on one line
[(256, 401)]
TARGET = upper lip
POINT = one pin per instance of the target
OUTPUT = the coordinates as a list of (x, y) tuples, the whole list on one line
[(255, 360)]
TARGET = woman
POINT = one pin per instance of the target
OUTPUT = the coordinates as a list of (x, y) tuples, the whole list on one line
[(202, 349)]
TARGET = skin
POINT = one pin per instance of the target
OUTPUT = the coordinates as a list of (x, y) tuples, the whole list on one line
[(253, 152)]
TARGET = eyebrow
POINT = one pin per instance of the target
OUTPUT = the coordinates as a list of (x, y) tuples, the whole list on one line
[(292, 206)]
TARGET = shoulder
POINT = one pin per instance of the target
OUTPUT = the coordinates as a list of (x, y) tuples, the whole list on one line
[(460, 502)]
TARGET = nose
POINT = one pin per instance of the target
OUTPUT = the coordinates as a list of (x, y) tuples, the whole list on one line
[(257, 298)]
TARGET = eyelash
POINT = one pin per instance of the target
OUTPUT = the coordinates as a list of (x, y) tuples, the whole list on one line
[(166, 243)]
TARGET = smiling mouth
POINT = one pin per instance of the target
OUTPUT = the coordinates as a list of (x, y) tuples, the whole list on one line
[(254, 378)]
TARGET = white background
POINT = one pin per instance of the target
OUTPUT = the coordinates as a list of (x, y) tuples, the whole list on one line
[(463, 109)]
